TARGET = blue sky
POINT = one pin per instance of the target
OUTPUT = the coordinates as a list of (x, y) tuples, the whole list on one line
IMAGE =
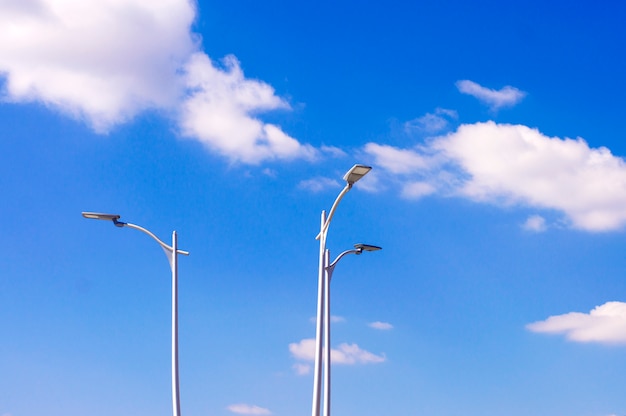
[(498, 194)]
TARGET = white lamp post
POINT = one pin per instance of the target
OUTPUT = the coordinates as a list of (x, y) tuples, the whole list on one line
[(351, 177), (330, 268), (171, 252)]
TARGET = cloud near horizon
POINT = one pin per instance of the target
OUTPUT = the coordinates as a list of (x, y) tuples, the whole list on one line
[(506, 165), (605, 324), (507, 96), (63, 53)]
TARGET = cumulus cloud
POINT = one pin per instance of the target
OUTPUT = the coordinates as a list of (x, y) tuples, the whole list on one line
[(64, 54), (303, 350), (219, 111), (246, 409), (514, 164), (605, 324), (384, 326), (349, 354), (495, 99)]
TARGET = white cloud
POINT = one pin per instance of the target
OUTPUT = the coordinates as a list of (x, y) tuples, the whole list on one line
[(517, 164), (344, 354), (398, 161), (431, 122), (246, 409), (65, 54), (418, 189), (352, 354), (514, 164), (269, 172), (301, 369), (605, 324), (219, 111), (303, 350), (318, 184), (384, 326), (495, 99), (371, 183), (333, 151), (535, 223)]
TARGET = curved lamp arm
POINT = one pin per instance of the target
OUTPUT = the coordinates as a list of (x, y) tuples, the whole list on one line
[(355, 173), (324, 229), (358, 249), (169, 250)]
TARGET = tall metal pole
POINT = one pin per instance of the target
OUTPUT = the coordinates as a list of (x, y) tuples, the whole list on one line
[(327, 350), (317, 380), (171, 252), (323, 318), (175, 385)]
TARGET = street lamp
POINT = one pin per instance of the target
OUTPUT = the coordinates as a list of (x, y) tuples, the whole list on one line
[(330, 268), (171, 252), (351, 177)]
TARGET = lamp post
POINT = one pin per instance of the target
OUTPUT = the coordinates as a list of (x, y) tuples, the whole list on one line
[(351, 177), (330, 268), (171, 252)]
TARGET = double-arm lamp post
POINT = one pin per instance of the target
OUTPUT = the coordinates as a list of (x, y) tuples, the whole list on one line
[(323, 294), (171, 252)]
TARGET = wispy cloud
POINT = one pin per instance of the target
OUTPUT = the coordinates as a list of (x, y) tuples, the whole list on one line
[(384, 326), (352, 354), (345, 353), (398, 161), (246, 409), (507, 96), (417, 190), (332, 151), (431, 123), (65, 55), (507, 164), (535, 223), (318, 184), (605, 324), (301, 369)]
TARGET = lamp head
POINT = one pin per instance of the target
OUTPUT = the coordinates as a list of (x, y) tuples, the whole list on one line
[(355, 173), (106, 217), (365, 247)]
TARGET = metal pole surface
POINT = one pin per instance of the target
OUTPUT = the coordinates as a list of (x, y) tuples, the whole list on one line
[(315, 408), (327, 350), (174, 264)]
